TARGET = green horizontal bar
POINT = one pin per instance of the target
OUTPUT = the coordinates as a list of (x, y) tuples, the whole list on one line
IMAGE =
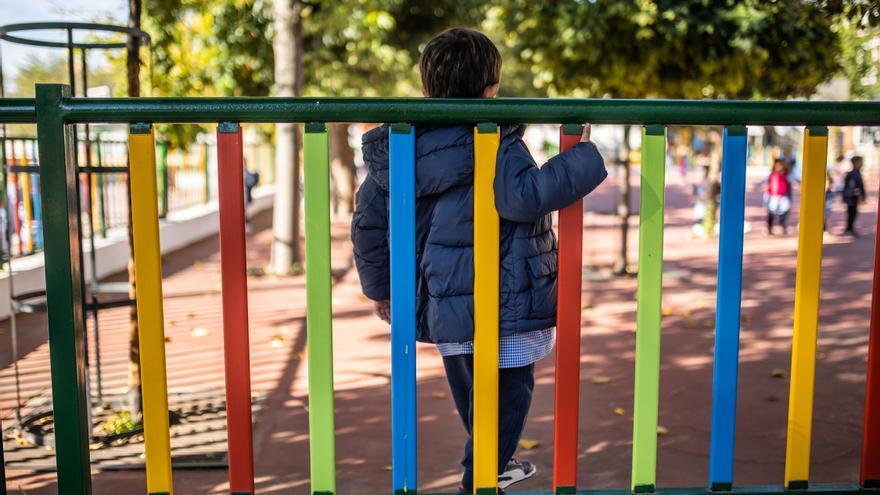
[(18, 110), (815, 489), (449, 110)]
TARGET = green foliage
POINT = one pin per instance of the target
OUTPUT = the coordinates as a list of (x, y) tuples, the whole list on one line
[(53, 69), (673, 48), (120, 422)]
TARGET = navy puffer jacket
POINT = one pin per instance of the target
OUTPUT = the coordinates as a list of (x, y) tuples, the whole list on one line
[(524, 197)]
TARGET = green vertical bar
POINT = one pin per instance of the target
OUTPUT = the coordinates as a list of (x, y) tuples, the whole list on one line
[(162, 183), (64, 296), (650, 287), (319, 319), (205, 172)]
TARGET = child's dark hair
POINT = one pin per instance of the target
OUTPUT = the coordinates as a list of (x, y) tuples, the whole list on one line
[(459, 63)]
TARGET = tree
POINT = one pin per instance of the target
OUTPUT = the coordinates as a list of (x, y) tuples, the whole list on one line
[(355, 48), (673, 49), (133, 73), (288, 49)]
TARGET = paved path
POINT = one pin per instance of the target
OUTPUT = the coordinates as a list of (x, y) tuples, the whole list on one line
[(363, 366)]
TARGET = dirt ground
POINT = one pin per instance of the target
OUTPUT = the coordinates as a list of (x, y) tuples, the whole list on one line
[(362, 378)]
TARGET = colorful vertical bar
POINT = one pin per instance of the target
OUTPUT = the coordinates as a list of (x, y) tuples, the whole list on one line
[(402, 212), (319, 313), (869, 475), (806, 309), (236, 344), (568, 333), (148, 277), (27, 228), (648, 312), (64, 295), (727, 314), (487, 226)]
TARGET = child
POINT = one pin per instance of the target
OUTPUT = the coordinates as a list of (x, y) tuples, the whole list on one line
[(461, 63), (853, 194), (778, 196)]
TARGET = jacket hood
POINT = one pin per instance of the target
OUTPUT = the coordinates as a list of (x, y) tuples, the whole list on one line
[(444, 155)]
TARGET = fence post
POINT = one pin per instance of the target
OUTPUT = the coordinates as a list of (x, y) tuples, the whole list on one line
[(727, 316), (233, 272), (648, 309), (568, 333), (64, 291), (402, 233), (487, 226), (319, 311), (806, 309)]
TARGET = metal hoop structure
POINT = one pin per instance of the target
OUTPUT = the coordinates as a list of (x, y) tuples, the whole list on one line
[(31, 301)]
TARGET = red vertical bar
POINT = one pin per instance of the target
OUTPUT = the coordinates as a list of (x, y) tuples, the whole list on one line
[(870, 472), (568, 334), (235, 313)]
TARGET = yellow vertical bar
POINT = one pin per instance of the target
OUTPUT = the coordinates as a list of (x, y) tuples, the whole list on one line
[(806, 308), (486, 275), (148, 276), (27, 225)]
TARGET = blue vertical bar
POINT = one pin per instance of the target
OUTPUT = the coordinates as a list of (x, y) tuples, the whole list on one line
[(402, 208), (727, 314)]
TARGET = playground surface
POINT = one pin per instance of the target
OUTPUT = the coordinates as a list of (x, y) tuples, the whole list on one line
[(362, 362)]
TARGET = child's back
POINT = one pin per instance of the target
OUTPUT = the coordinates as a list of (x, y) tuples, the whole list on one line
[(524, 197), (464, 63)]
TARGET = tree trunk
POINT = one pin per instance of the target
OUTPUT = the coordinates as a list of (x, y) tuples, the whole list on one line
[(341, 171), (288, 49), (623, 202), (134, 348)]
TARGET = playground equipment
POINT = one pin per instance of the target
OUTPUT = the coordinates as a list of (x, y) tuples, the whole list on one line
[(92, 195), (55, 111)]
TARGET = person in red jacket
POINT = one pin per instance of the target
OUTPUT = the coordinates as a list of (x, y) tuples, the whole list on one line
[(778, 196)]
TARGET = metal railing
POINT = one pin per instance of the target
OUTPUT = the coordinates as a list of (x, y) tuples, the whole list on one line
[(55, 111)]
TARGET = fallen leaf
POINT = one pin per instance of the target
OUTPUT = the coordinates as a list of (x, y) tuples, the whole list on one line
[(438, 395), (601, 379), (528, 444), (167, 339), (686, 313), (662, 431), (277, 341), (190, 315), (667, 311), (778, 373), (199, 332), (619, 411)]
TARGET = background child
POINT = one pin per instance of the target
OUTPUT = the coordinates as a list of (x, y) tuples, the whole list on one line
[(461, 63), (853, 194), (778, 196)]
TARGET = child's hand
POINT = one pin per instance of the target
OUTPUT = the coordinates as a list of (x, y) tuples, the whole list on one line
[(585, 136), (383, 310)]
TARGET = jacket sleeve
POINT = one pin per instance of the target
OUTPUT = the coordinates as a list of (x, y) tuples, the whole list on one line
[(369, 236), (525, 193)]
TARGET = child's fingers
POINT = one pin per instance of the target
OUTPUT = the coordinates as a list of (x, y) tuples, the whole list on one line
[(585, 135)]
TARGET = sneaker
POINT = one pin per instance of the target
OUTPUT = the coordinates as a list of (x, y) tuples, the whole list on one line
[(515, 472)]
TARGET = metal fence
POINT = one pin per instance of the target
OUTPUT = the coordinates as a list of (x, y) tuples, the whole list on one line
[(55, 112)]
